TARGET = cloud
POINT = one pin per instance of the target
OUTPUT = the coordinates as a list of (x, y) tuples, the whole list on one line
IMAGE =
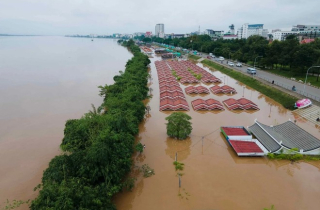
[(61, 17)]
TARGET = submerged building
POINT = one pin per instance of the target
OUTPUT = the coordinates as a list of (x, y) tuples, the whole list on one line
[(285, 137)]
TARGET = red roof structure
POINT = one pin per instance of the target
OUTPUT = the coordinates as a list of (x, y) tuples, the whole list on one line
[(209, 104), (242, 103), (173, 104), (222, 89), (198, 89), (306, 41), (246, 148), (206, 77), (171, 95), (235, 131)]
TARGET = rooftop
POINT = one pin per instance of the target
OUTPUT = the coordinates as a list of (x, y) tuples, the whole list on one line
[(245, 147), (287, 134)]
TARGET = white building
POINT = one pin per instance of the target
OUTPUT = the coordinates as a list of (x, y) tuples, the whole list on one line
[(306, 28), (281, 35), (248, 30), (159, 30)]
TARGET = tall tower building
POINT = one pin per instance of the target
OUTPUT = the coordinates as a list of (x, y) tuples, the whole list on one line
[(159, 30)]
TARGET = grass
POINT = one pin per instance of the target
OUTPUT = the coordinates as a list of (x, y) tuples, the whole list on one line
[(194, 57), (289, 74), (283, 98)]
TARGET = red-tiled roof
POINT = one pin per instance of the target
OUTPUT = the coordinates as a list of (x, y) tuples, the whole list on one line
[(306, 41), (245, 147), (231, 131)]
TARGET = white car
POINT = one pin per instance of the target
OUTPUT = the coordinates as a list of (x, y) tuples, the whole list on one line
[(221, 58), (239, 64), (231, 64)]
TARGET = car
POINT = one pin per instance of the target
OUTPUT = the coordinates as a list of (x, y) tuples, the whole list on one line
[(251, 71), (239, 64), (221, 58), (209, 57), (231, 64)]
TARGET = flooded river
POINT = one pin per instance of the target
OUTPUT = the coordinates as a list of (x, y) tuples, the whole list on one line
[(45, 81), (214, 178)]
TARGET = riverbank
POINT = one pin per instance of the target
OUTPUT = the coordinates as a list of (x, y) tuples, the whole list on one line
[(98, 147)]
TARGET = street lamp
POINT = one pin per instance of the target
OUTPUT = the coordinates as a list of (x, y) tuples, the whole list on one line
[(254, 64), (304, 86)]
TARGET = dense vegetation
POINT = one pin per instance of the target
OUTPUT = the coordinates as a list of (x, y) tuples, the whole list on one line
[(179, 125), (288, 55), (98, 147), (285, 99)]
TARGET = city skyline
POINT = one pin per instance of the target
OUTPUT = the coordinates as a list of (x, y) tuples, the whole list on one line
[(98, 17)]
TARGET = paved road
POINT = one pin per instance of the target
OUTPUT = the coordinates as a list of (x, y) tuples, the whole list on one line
[(309, 92)]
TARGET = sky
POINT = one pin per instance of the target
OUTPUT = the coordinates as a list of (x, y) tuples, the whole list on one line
[(105, 17)]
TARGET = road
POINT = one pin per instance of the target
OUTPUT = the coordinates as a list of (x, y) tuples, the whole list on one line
[(309, 91)]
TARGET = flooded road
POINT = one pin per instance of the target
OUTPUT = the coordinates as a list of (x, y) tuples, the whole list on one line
[(45, 81), (214, 177)]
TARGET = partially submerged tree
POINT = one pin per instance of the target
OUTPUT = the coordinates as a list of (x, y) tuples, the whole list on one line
[(179, 125)]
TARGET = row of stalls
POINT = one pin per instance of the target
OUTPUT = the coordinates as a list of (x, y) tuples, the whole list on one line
[(283, 138)]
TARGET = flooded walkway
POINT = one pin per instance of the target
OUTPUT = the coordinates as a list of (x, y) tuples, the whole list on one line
[(214, 177)]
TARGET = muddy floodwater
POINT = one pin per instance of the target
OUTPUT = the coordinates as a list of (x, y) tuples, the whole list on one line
[(45, 81), (214, 177)]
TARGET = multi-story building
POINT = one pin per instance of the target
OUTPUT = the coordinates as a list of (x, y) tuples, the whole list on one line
[(282, 35), (214, 34), (248, 30), (159, 30), (307, 31), (306, 28), (148, 34)]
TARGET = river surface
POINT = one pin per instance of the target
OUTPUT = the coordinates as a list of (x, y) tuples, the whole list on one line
[(45, 81), (214, 178)]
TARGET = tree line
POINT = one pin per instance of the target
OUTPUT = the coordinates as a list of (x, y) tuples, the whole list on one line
[(98, 147), (282, 55)]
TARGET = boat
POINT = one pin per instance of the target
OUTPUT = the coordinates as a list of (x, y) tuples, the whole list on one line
[(303, 103)]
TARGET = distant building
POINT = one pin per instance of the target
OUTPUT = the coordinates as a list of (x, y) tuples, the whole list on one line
[(177, 36), (213, 34), (306, 28), (248, 30), (139, 34), (159, 30), (148, 34), (226, 36), (231, 31), (282, 35)]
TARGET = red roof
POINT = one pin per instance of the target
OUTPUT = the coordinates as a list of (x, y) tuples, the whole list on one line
[(245, 147), (230, 131), (306, 41)]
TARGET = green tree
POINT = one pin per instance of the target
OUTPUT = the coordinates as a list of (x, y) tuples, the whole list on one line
[(179, 125), (139, 147)]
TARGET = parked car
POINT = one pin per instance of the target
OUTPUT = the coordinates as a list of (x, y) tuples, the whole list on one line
[(231, 64), (209, 57), (221, 58), (251, 71), (239, 64)]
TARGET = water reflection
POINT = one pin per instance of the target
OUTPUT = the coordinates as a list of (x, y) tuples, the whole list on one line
[(181, 147)]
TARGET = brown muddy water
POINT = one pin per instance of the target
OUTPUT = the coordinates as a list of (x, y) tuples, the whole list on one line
[(45, 81), (214, 178)]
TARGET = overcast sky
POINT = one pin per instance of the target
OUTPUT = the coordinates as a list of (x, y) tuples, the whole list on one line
[(61, 17)]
